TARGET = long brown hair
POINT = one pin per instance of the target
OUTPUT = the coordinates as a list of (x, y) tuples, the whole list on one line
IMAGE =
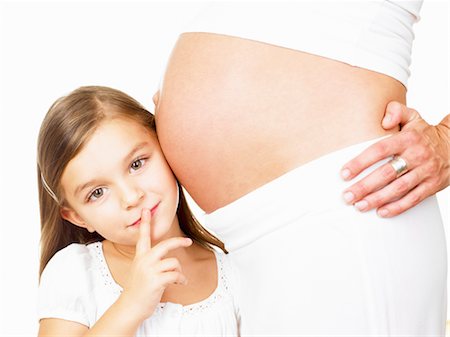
[(68, 125)]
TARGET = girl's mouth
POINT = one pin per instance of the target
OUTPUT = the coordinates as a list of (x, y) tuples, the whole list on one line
[(152, 212), (137, 222)]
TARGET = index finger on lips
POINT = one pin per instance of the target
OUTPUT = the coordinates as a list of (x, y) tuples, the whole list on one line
[(144, 243), (374, 153), (162, 248)]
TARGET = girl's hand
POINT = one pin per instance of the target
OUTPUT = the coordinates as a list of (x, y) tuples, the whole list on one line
[(424, 147), (150, 272)]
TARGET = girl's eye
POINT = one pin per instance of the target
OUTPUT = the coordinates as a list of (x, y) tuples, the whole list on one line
[(96, 194), (137, 164)]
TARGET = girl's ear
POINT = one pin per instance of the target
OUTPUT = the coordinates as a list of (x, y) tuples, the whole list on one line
[(72, 216)]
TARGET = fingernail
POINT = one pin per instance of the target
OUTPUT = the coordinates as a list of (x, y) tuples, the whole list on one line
[(188, 241), (345, 173), (348, 197), (362, 205), (383, 212), (387, 119)]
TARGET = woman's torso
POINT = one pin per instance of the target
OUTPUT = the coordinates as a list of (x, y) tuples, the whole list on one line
[(233, 114)]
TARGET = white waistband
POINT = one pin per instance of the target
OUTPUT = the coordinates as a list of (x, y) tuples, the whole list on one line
[(307, 189)]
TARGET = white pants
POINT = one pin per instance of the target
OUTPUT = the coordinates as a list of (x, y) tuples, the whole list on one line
[(310, 265)]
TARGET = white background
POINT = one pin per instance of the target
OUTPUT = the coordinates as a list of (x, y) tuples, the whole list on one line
[(48, 49)]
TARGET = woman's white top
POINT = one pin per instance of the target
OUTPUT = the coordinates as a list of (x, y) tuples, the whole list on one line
[(375, 35), (76, 285)]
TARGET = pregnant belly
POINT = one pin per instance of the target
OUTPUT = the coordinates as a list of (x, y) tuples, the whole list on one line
[(233, 114)]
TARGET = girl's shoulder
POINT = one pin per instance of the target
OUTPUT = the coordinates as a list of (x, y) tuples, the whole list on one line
[(77, 266), (67, 284), (70, 266), (73, 258)]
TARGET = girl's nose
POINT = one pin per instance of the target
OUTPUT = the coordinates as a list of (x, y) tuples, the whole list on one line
[(131, 196)]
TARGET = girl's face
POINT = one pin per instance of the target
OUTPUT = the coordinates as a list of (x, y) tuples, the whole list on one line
[(120, 171)]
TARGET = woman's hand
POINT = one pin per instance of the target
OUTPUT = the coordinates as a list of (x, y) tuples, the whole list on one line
[(425, 149), (150, 272)]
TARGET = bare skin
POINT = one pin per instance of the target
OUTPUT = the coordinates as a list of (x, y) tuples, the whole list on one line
[(234, 114)]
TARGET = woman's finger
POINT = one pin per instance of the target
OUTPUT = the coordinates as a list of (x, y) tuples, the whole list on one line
[(415, 157), (144, 243), (410, 148), (374, 153), (396, 190), (398, 114), (376, 180), (410, 200)]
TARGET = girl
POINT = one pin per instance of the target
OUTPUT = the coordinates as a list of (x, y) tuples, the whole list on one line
[(121, 252)]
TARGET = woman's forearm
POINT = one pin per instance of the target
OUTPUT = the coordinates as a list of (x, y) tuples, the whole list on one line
[(118, 320)]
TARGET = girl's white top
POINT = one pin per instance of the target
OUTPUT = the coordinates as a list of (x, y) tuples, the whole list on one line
[(76, 285)]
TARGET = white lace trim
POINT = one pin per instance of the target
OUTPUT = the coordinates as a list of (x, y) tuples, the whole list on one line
[(218, 295)]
